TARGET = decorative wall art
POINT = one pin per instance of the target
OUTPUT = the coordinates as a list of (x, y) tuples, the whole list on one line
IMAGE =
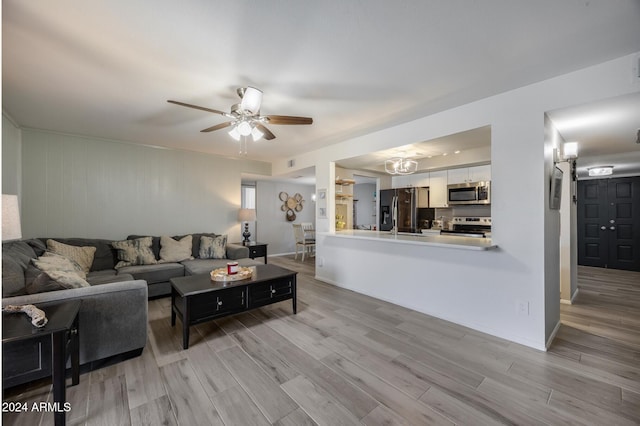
[(291, 205)]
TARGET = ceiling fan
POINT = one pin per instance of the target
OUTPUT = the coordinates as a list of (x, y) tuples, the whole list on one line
[(245, 116)]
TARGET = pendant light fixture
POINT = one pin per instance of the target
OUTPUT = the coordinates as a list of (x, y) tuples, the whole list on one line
[(400, 166)]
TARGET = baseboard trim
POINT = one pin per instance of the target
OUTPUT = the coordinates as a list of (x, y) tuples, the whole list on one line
[(573, 298), (553, 335)]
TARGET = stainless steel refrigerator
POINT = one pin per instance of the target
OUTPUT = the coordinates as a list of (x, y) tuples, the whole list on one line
[(412, 209)]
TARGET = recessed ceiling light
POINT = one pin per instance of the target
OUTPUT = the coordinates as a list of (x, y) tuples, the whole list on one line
[(444, 155), (600, 171), (457, 152)]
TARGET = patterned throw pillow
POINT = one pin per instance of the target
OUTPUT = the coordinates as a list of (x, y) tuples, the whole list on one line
[(175, 251), (64, 271), (213, 247), (83, 256), (134, 252)]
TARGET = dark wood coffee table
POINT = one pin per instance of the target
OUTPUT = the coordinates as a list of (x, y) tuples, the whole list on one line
[(197, 298)]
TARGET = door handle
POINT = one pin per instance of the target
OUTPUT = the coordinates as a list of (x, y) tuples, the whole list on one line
[(613, 228), (603, 228)]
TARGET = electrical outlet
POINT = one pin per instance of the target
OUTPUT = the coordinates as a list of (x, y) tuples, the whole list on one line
[(522, 307)]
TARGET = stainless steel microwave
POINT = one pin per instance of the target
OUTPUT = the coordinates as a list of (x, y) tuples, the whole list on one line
[(469, 193)]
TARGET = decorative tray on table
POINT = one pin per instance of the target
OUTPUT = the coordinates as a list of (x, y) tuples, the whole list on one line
[(221, 274)]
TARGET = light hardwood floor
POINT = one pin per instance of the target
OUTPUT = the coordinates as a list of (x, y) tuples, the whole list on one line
[(349, 359)]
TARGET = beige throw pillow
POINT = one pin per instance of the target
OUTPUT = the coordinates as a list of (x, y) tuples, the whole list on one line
[(175, 251), (83, 256), (134, 252)]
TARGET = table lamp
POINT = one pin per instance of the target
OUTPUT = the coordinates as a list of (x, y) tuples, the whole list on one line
[(246, 216), (11, 229)]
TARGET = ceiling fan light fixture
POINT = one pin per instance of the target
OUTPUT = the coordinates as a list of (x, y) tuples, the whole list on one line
[(234, 133), (600, 171), (251, 101), (256, 133), (244, 128)]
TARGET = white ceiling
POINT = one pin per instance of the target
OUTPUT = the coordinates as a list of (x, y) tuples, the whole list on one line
[(106, 68)]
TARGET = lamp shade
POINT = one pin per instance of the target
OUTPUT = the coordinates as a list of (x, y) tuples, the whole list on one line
[(570, 150), (11, 229), (247, 215)]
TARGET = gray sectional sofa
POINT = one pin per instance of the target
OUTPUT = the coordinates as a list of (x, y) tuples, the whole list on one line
[(113, 314)]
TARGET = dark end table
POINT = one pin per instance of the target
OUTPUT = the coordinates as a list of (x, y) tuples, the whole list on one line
[(30, 353), (256, 249)]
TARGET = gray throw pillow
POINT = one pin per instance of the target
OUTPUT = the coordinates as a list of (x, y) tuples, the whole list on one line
[(213, 248), (134, 252)]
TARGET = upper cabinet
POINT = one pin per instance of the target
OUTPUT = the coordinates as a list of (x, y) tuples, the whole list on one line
[(469, 174), (438, 189)]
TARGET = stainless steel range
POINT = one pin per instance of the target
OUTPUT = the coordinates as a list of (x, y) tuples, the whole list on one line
[(469, 227)]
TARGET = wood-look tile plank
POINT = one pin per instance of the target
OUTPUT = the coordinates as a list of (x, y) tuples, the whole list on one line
[(318, 404), (228, 403), (296, 418), (350, 396), (456, 409), (211, 372), (189, 400), (581, 409), (383, 416), (399, 377), (108, 403), (144, 383), (413, 411), (215, 337), (153, 413), (270, 361), (264, 391), (25, 416), (589, 390)]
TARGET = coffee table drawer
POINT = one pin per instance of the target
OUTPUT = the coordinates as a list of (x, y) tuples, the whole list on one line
[(270, 292), (218, 303)]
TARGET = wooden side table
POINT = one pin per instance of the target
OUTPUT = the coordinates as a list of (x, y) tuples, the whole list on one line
[(256, 249), (30, 353)]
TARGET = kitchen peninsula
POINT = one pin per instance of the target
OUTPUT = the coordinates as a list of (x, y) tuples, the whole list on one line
[(453, 242)]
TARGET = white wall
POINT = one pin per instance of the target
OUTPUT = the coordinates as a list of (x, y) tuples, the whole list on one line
[(272, 225), (480, 290), (11, 156), (86, 187), (365, 205)]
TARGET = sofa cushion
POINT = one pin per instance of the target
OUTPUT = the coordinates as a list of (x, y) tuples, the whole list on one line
[(175, 251), (13, 276), (213, 248), (154, 273), (105, 256), (107, 276), (83, 256), (205, 266), (134, 252)]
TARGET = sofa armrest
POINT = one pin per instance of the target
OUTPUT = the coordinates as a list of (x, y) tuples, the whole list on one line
[(237, 251), (113, 317)]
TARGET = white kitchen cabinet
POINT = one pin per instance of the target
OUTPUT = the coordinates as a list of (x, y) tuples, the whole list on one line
[(469, 174), (414, 180), (480, 173), (438, 189)]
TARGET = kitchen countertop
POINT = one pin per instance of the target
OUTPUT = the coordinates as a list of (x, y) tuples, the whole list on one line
[(447, 241)]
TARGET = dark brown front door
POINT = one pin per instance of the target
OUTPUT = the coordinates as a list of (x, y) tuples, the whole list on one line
[(609, 223)]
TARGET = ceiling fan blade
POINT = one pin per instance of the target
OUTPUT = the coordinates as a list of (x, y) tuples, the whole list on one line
[(267, 133), (287, 119), (218, 126), (215, 111)]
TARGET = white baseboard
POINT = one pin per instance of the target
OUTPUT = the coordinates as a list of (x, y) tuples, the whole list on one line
[(573, 297)]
